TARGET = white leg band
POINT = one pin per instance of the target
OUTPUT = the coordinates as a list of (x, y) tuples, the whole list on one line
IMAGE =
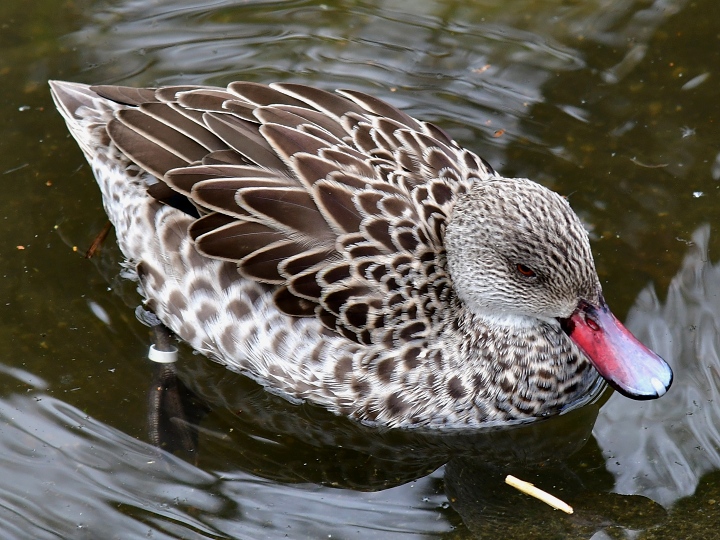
[(162, 357)]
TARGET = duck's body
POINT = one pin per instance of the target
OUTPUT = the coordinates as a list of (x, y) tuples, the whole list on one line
[(339, 251)]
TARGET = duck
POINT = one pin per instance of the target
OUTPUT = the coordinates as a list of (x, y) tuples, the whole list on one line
[(340, 252)]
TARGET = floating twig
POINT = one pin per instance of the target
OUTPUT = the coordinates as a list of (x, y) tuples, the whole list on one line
[(98, 241), (530, 489)]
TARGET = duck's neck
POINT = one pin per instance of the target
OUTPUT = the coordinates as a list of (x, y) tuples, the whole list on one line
[(520, 366)]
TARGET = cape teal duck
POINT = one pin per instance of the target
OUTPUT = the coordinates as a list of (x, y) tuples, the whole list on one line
[(339, 251)]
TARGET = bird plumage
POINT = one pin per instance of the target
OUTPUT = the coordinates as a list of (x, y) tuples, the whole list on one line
[(337, 250)]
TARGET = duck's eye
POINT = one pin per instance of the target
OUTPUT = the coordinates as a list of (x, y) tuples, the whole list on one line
[(525, 270)]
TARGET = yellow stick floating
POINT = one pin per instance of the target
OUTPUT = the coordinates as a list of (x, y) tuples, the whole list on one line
[(530, 489)]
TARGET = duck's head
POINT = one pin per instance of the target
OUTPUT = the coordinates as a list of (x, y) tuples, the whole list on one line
[(518, 254)]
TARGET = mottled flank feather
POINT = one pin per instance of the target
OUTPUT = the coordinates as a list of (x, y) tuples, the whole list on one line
[(299, 236)]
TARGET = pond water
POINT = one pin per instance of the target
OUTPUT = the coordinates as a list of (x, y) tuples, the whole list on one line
[(613, 103)]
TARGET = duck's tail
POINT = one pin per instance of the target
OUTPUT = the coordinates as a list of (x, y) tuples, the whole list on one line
[(86, 114), (123, 185)]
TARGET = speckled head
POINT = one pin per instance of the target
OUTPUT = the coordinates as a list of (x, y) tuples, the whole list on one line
[(527, 244), (517, 253)]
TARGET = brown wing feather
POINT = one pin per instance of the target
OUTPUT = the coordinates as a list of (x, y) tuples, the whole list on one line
[(225, 157), (185, 124), (217, 193), (293, 305), (261, 94), (291, 210), (204, 99), (236, 240), (162, 134), (336, 204), (326, 102), (243, 136), (287, 142), (125, 95), (315, 117), (147, 154), (184, 179), (209, 223), (299, 263), (381, 108), (169, 93), (262, 263), (240, 109)]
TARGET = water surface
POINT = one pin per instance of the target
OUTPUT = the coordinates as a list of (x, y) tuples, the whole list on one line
[(612, 103)]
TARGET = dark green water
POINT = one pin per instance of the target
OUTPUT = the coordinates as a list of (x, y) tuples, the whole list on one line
[(611, 103)]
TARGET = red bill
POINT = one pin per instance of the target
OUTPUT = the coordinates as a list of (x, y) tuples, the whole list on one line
[(625, 363)]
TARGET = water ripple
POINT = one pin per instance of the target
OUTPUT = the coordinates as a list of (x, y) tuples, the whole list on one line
[(67, 475)]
